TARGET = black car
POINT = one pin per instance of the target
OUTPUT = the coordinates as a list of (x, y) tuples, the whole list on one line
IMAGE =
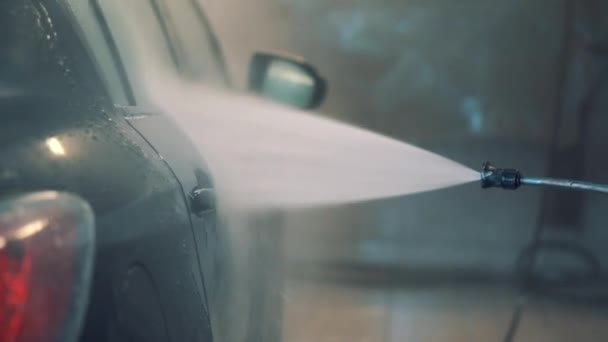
[(77, 132)]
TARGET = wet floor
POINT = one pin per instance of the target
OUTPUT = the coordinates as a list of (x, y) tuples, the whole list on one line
[(333, 311)]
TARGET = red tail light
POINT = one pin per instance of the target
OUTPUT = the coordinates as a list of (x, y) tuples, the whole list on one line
[(46, 254)]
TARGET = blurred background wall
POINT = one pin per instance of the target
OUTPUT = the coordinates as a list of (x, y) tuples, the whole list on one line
[(521, 83), (472, 80)]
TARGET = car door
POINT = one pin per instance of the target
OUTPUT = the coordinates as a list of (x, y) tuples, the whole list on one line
[(212, 248), (244, 298), (59, 131), (106, 28), (259, 237)]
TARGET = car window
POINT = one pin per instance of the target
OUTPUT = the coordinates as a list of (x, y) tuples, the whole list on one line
[(42, 56), (138, 34), (201, 58), (88, 18)]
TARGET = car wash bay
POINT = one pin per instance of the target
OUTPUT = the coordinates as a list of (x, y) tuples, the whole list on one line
[(520, 83)]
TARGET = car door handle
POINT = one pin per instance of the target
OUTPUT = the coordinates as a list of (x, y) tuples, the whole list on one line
[(201, 200)]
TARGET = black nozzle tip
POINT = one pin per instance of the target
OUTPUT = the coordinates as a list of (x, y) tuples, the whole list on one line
[(487, 172), (492, 177)]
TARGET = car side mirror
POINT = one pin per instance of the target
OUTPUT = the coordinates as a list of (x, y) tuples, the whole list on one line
[(288, 80)]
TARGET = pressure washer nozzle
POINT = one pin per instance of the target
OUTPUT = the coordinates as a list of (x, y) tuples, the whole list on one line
[(491, 177)]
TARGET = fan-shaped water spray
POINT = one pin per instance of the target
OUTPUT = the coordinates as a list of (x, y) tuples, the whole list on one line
[(262, 154)]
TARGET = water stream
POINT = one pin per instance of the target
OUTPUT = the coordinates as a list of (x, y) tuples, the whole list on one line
[(268, 155)]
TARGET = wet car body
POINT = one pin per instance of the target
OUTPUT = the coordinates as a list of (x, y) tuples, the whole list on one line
[(63, 127)]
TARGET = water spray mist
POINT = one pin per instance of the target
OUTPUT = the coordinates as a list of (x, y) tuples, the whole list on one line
[(511, 179)]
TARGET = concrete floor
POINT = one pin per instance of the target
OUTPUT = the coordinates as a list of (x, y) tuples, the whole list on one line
[(328, 312)]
